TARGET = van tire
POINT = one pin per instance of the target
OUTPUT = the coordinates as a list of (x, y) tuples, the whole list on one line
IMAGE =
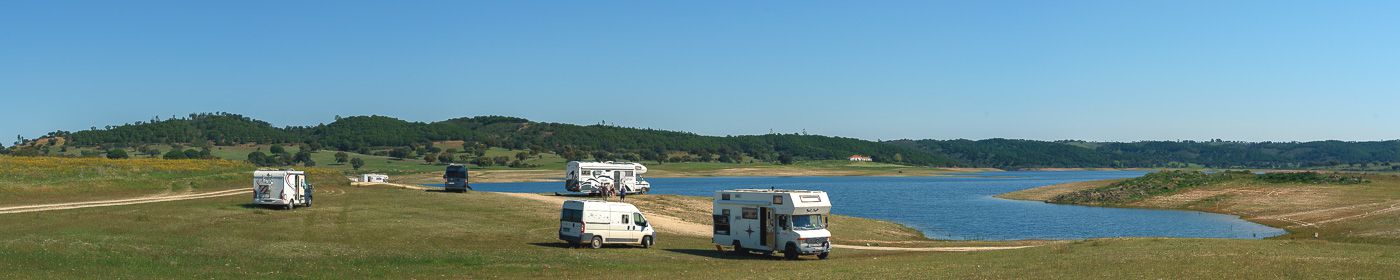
[(790, 252), (647, 242), (290, 205), (823, 255), (596, 243), (738, 249)]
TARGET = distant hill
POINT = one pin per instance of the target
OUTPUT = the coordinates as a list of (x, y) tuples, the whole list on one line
[(1007, 153), (365, 133)]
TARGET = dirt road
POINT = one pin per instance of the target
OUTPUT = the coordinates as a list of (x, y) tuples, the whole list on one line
[(673, 225)]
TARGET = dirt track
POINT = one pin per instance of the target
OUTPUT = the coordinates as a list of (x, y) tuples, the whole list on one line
[(117, 202), (669, 224)]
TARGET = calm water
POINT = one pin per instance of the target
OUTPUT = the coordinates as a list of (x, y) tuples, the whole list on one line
[(962, 207)]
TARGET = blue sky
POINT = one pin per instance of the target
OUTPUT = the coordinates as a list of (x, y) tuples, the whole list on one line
[(1092, 70)]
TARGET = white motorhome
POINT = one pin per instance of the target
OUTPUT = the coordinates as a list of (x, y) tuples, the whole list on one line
[(757, 220), (596, 222), (284, 188), (374, 178), (592, 177)]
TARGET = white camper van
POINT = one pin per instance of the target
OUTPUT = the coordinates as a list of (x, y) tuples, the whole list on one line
[(596, 222), (285, 188), (374, 178), (789, 221), (591, 177)]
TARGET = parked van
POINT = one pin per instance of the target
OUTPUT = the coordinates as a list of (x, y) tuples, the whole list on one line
[(455, 178), (285, 188), (592, 177), (596, 222), (374, 178), (789, 221)]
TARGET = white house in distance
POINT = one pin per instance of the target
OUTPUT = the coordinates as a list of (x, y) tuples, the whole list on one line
[(374, 178), (859, 158)]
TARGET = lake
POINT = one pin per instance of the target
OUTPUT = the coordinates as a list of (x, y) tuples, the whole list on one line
[(961, 207)]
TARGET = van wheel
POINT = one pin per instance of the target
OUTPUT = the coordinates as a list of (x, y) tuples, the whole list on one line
[(738, 250), (290, 205), (823, 255), (647, 242), (597, 242), (790, 252)]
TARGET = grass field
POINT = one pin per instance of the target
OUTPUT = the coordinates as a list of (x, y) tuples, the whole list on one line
[(373, 232), (1365, 212), (396, 233), (35, 180)]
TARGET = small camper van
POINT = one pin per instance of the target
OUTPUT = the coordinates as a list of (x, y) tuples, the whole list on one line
[(592, 177), (374, 178), (789, 221), (284, 188), (596, 222), (455, 178)]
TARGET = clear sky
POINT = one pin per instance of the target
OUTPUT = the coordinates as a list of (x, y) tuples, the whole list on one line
[(1092, 70)]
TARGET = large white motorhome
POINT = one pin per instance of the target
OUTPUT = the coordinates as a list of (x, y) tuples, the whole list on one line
[(757, 220), (596, 222), (592, 177), (284, 188)]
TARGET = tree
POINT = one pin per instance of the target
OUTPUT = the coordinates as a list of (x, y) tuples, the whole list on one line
[(302, 156), (430, 158), (175, 154), (502, 160), (445, 158), (356, 163), (277, 149), (116, 154), (522, 156), (784, 158), (464, 158), (257, 158), (400, 153), (341, 157), (308, 163), (482, 161), (898, 157)]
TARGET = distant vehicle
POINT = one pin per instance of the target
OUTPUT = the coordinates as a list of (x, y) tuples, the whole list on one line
[(285, 188), (596, 222), (374, 178), (789, 221), (456, 178), (591, 177)]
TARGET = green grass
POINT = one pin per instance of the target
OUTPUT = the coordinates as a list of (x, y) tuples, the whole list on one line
[(37, 180), (371, 232), (393, 233)]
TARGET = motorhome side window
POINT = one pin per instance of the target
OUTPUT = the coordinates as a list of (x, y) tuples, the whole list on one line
[(750, 213), (627, 174), (778, 199), (624, 218)]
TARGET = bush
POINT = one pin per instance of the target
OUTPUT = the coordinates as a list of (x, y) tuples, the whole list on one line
[(116, 154)]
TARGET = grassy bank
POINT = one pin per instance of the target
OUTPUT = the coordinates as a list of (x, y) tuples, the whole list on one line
[(395, 233), (1339, 207), (41, 180), (380, 232)]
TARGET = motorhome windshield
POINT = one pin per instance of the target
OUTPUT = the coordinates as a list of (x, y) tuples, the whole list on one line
[(807, 222)]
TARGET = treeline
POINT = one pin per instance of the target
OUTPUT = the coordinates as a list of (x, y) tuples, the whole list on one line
[(1012, 154), (1166, 182), (370, 134), (381, 135)]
